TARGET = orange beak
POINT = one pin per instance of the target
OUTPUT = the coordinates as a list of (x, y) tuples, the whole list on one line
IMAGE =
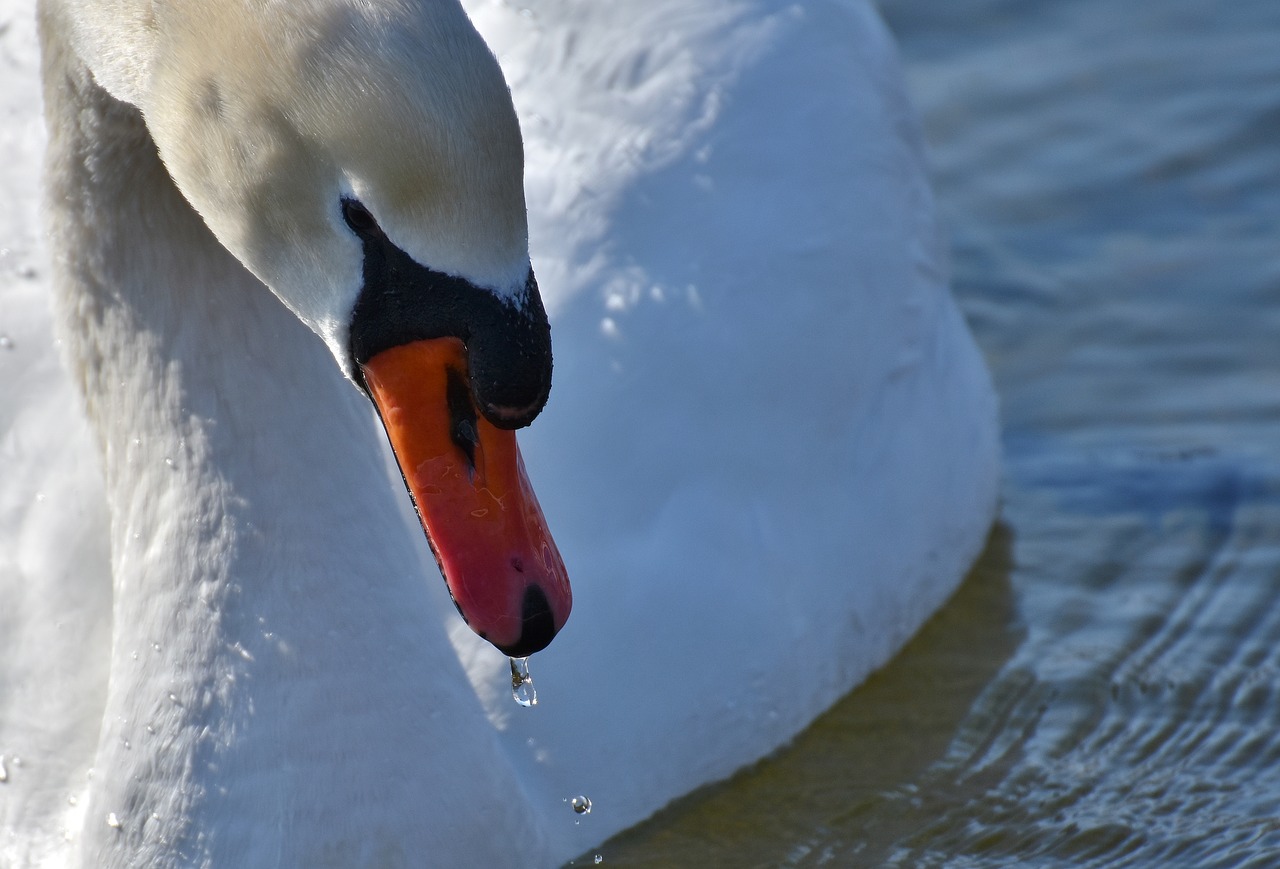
[(468, 483)]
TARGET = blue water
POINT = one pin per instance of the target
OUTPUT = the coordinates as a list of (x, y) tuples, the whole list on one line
[(1105, 688)]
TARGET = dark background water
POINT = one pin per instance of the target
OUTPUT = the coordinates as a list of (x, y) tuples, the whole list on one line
[(1103, 691)]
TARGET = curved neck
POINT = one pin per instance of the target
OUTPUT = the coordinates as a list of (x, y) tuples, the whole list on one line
[(282, 690)]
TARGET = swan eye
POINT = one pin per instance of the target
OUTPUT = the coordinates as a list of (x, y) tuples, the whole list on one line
[(358, 217)]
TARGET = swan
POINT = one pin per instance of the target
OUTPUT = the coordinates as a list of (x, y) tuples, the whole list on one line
[(770, 453)]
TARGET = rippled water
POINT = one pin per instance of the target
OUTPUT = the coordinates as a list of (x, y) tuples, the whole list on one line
[(1105, 688)]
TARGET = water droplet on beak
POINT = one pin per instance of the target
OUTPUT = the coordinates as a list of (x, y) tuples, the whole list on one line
[(522, 683)]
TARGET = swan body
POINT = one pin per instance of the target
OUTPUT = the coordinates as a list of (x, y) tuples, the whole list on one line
[(770, 453)]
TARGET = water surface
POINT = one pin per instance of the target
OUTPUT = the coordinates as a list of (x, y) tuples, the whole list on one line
[(1105, 688)]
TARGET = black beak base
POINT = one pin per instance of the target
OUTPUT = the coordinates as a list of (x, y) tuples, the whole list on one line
[(508, 342)]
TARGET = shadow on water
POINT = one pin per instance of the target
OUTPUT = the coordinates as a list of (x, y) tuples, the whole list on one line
[(849, 774)]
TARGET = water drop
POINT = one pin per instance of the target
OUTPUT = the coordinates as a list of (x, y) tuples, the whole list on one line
[(522, 683), (112, 821), (4, 771), (6, 343), (599, 858), (581, 805), (72, 800)]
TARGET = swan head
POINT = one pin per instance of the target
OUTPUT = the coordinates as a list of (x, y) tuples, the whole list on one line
[(365, 162)]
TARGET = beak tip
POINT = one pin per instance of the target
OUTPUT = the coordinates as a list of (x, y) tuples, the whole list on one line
[(469, 485), (538, 625)]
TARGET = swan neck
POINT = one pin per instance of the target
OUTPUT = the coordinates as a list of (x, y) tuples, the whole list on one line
[(272, 615)]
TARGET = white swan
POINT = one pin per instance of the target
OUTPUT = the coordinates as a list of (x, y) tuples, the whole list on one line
[(769, 454)]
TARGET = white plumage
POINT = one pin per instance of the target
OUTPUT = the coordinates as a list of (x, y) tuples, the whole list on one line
[(770, 453)]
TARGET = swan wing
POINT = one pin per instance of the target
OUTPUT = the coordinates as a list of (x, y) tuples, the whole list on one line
[(773, 442)]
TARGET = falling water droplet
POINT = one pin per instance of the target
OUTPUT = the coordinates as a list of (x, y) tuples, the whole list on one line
[(581, 805), (4, 771), (522, 683), (6, 343), (112, 821), (599, 859)]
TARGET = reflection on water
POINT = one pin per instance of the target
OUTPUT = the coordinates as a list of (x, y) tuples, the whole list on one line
[(1105, 689)]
